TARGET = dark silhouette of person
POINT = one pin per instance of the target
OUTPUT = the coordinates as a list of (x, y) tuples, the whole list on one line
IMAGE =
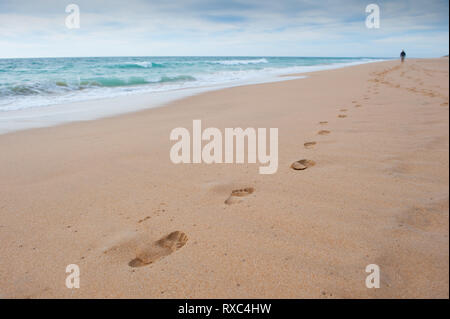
[(402, 55)]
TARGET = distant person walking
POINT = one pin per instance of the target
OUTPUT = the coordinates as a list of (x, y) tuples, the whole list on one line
[(402, 55)]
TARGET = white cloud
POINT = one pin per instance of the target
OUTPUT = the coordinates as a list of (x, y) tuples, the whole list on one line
[(200, 27)]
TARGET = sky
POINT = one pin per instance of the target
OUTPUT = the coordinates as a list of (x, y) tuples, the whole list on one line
[(32, 28)]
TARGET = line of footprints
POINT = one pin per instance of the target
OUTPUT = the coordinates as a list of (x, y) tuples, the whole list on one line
[(300, 165), (303, 164), (177, 239)]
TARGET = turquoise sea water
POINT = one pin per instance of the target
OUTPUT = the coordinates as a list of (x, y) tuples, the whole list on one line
[(30, 83)]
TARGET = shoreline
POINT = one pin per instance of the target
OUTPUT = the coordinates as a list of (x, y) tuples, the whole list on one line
[(74, 111), (101, 193)]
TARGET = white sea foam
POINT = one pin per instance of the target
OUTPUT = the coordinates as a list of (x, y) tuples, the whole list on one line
[(237, 62), (18, 112)]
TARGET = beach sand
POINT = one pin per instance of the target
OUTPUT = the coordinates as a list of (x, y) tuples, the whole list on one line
[(105, 196)]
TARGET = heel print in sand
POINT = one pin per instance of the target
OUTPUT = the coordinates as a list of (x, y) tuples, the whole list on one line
[(309, 144), (159, 249), (237, 194), (302, 164)]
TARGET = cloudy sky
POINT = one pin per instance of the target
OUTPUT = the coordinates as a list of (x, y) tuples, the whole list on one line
[(36, 28)]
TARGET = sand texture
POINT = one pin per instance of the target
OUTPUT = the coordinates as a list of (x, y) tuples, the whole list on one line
[(362, 179)]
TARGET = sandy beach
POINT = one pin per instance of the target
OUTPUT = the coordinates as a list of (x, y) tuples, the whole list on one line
[(104, 195)]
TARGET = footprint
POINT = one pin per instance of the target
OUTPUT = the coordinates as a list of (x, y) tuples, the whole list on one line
[(237, 193), (444, 104), (302, 164), (159, 249), (342, 116), (323, 123), (358, 105), (343, 110), (324, 132), (309, 144), (143, 219)]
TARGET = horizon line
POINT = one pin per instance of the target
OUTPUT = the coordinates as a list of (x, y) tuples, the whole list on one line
[(206, 56)]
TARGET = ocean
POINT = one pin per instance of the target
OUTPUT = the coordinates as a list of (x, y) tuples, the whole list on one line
[(38, 83), (26, 83)]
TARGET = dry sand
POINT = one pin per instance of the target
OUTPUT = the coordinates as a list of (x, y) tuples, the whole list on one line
[(104, 195)]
